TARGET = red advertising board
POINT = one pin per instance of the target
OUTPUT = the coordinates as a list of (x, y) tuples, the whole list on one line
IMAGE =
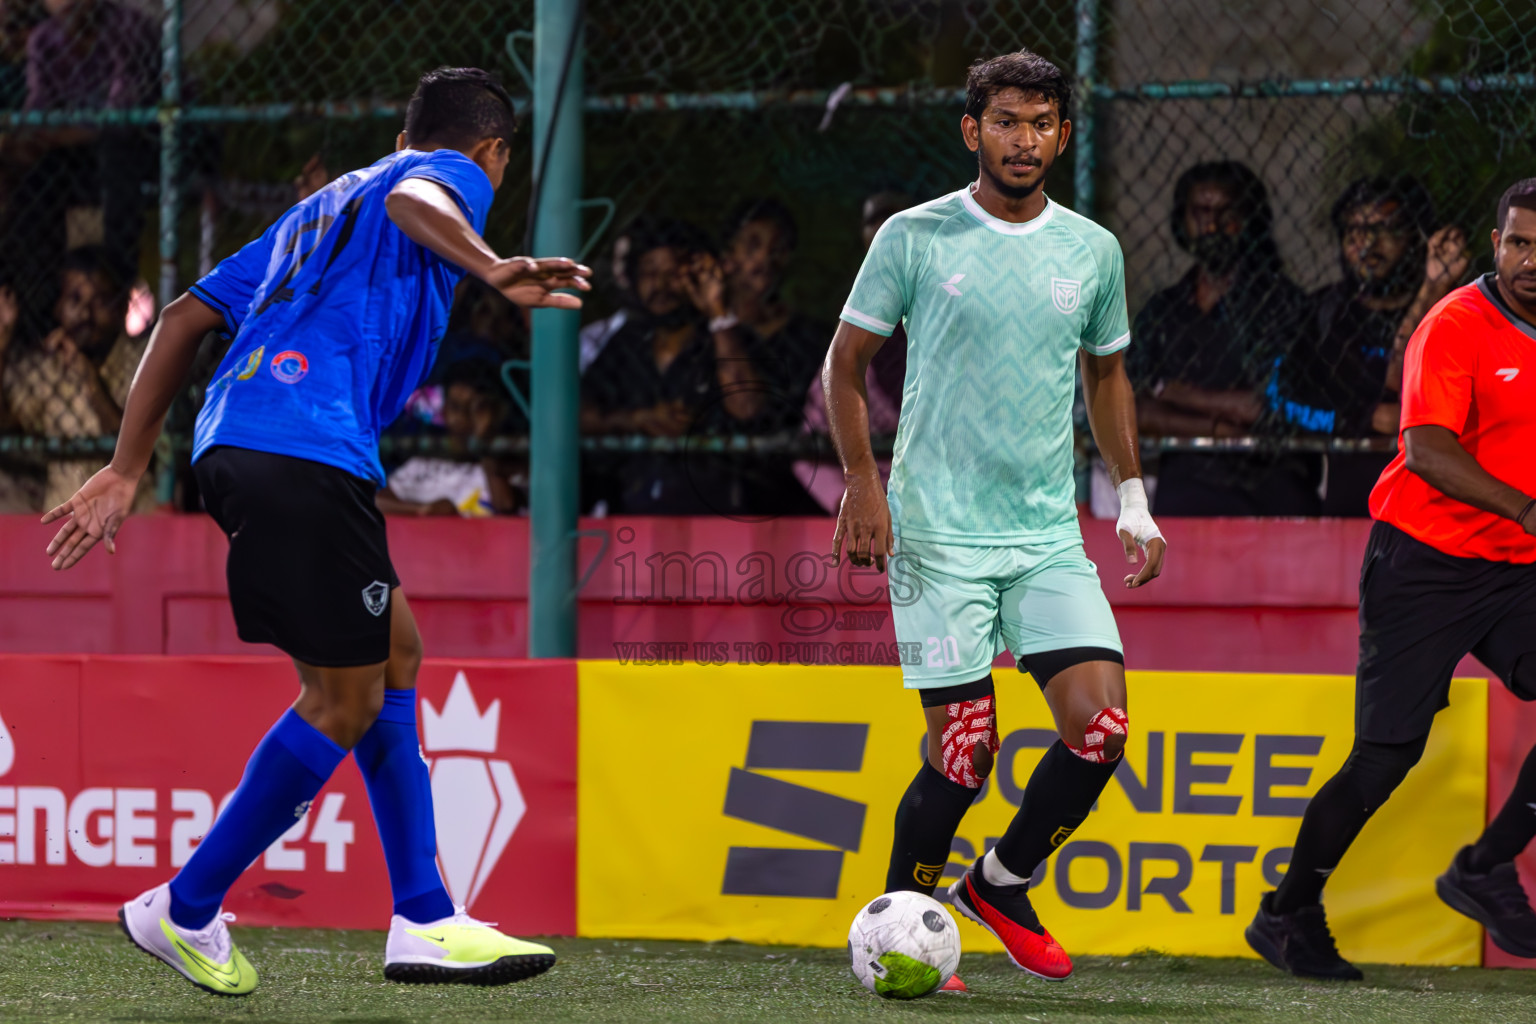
[(112, 769)]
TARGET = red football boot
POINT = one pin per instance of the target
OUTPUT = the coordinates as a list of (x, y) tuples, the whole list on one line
[(954, 984), (1005, 911)]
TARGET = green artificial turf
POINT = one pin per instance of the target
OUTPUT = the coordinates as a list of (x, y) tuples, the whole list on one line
[(69, 971)]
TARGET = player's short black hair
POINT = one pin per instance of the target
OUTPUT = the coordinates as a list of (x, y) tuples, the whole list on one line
[(1026, 71), (1416, 207), (457, 107), (93, 260), (770, 210), (1249, 196), (1522, 194)]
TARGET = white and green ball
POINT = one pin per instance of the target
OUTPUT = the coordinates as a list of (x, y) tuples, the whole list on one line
[(903, 945)]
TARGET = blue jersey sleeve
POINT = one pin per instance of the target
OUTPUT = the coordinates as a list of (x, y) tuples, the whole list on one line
[(463, 179), (230, 286)]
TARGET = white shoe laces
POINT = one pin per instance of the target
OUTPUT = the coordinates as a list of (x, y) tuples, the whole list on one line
[(461, 916), (216, 934)]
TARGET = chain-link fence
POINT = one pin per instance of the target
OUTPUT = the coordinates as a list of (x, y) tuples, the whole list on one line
[(1292, 183)]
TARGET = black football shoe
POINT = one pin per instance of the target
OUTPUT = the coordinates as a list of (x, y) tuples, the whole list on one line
[(1496, 900), (1299, 942)]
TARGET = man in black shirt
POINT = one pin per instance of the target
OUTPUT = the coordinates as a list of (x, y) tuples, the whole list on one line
[(1342, 374), (1204, 347), (680, 368)]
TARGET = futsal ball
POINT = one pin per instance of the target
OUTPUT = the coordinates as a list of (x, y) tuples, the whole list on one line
[(904, 945)]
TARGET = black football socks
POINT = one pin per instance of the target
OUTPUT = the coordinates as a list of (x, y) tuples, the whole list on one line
[(1061, 791), (926, 821)]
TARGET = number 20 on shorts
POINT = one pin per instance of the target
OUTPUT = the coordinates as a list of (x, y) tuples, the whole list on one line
[(943, 653)]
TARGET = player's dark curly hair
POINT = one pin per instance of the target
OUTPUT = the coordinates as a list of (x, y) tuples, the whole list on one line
[(1415, 206), (1026, 71), (1257, 242), (457, 107), (1522, 194)]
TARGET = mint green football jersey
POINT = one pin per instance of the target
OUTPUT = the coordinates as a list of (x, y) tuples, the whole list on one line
[(995, 314)]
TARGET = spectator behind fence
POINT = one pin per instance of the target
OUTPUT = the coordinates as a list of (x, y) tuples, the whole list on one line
[(88, 54), (17, 19), (1342, 375), (785, 345), (474, 408), (596, 335), (1205, 346), (884, 379), (73, 384), (680, 366)]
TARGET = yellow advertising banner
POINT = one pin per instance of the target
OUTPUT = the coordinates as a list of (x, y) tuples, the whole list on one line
[(756, 803)]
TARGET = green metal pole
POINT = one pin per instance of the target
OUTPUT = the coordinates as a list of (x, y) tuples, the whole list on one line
[(553, 471), (170, 152), (1082, 122), (170, 200)]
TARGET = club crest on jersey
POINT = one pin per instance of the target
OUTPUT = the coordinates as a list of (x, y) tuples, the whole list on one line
[(290, 367), (376, 597), (1065, 294)]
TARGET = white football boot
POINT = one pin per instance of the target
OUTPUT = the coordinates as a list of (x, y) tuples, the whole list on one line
[(207, 957), (459, 949)]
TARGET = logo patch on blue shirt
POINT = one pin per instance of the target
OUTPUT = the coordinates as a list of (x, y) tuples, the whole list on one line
[(290, 367)]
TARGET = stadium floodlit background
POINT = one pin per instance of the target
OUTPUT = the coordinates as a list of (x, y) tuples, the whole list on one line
[(147, 150)]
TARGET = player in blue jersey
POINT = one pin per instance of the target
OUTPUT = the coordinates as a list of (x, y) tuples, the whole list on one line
[(335, 314)]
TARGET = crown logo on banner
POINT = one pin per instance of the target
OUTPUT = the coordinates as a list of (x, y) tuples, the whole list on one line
[(476, 798), (461, 725)]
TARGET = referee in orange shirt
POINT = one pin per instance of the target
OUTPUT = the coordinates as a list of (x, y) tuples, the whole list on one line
[(1450, 569)]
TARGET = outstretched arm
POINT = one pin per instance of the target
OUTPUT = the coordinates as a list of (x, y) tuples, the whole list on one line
[(96, 511), (1112, 416), (864, 518), (431, 218)]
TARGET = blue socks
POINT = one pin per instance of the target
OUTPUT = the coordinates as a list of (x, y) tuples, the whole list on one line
[(400, 791), (284, 774)]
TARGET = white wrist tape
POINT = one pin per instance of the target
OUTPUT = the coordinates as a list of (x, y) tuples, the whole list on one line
[(1135, 519)]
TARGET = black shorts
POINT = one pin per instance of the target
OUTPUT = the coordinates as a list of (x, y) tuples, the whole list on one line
[(1421, 612), (309, 568)]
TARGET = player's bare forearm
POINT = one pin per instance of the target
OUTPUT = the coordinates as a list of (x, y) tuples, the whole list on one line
[(160, 377), (1435, 455), (842, 381), (430, 217), (1112, 418), (1112, 414)]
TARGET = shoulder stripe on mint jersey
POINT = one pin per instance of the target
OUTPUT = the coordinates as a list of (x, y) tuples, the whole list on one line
[(866, 318)]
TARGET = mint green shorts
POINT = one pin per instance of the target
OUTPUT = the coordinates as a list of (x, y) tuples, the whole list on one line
[(963, 606)]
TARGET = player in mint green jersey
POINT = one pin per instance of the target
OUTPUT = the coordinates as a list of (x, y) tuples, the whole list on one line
[(1004, 295)]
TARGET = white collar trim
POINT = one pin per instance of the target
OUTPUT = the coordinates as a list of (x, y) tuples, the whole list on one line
[(1004, 227)]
